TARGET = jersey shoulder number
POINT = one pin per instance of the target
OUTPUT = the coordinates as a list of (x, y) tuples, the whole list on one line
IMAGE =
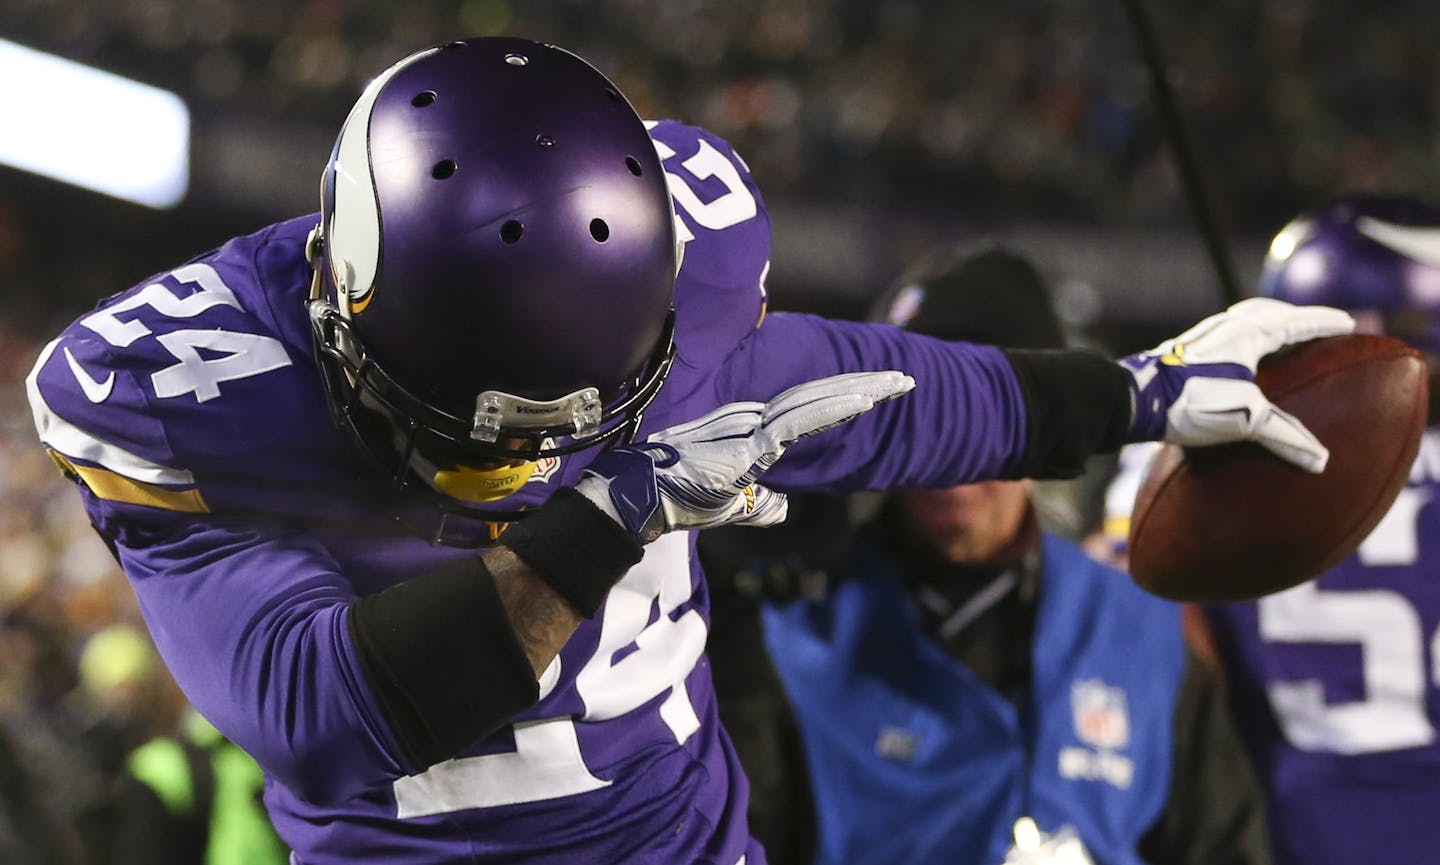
[(116, 390), (724, 231)]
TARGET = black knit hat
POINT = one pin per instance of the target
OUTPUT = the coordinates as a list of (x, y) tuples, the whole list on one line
[(984, 293)]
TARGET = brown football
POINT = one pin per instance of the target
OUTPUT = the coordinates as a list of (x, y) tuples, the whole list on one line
[(1234, 522)]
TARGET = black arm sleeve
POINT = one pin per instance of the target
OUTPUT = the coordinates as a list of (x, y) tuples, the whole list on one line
[(575, 548), (441, 659), (1215, 814), (1077, 403), (439, 652)]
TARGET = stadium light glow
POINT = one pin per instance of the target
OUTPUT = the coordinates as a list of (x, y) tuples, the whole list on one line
[(92, 128)]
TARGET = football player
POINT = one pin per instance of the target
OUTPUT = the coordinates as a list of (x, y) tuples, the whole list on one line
[(522, 306), (1336, 683)]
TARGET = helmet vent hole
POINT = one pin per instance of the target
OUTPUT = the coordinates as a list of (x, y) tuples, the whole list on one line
[(450, 46), (421, 100), (599, 230), (512, 229), (443, 169), (544, 140), (614, 96), (517, 59), (633, 164)]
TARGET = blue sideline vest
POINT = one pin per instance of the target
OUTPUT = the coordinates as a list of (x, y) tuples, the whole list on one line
[(913, 759)]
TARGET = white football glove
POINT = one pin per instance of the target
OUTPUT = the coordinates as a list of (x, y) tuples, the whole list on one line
[(1199, 388), (703, 474)]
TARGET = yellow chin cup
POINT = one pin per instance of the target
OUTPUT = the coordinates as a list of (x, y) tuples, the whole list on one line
[(478, 486)]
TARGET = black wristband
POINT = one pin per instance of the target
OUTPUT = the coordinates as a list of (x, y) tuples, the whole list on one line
[(574, 547), (442, 660), (1077, 403)]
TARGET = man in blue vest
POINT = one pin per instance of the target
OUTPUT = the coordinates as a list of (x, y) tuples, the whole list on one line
[(973, 689)]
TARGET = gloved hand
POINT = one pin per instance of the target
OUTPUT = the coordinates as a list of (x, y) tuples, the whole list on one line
[(703, 474), (1199, 388)]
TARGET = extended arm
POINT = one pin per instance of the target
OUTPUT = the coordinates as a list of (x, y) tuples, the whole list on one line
[(979, 412), (976, 411)]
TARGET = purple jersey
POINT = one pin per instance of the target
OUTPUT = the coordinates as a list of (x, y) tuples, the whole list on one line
[(1337, 688), (1335, 684), (190, 410)]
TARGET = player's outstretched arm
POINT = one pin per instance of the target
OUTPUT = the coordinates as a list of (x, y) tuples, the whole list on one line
[(499, 619), (980, 412)]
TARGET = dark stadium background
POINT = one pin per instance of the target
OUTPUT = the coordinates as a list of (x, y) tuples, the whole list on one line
[(876, 129)]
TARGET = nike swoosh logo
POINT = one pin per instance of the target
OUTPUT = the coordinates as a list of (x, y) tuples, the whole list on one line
[(1419, 243), (95, 391)]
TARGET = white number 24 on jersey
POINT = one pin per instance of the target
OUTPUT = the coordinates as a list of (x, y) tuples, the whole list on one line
[(230, 355)]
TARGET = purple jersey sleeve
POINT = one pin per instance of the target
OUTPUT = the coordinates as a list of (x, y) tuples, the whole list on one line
[(257, 640), (964, 421)]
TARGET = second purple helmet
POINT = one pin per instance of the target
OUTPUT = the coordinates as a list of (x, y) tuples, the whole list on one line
[(1376, 256), (496, 258)]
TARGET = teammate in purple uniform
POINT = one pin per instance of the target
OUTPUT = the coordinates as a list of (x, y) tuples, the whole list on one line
[(507, 267), (1335, 681)]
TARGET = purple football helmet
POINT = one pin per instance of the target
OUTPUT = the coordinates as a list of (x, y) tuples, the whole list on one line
[(1376, 256), (495, 262)]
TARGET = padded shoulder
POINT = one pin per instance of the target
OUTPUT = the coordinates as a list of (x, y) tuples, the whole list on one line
[(178, 382), (720, 295)]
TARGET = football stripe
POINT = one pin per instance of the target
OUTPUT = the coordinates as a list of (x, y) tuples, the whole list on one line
[(118, 488)]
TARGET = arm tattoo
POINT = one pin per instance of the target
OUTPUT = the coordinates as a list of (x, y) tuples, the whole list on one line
[(543, 622)]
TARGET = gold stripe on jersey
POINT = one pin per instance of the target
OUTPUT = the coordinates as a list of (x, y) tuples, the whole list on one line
[(117, 488)]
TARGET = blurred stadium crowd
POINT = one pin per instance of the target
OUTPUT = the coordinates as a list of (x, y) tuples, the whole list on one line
[(921, 113), (1026, 111), (1037, 107)]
